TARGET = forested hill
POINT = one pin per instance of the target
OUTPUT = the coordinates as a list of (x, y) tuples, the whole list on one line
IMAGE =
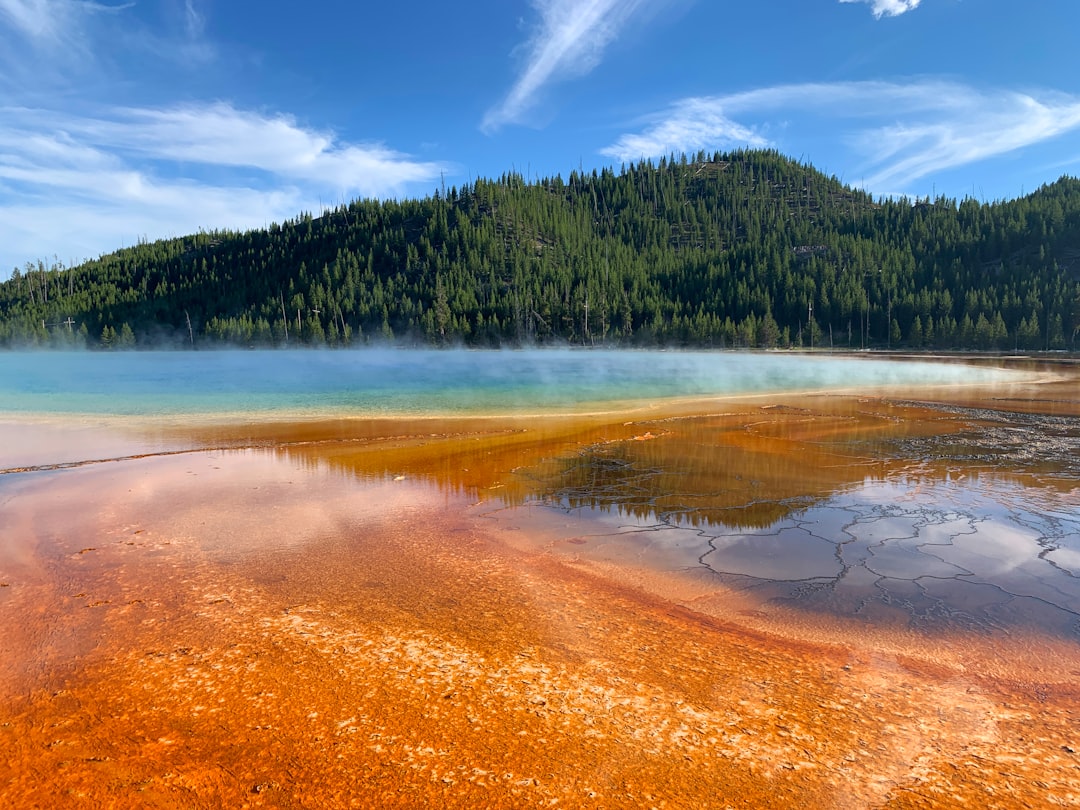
[(740, 249)]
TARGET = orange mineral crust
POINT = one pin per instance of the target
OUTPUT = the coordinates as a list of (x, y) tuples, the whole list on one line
[(255, 628)]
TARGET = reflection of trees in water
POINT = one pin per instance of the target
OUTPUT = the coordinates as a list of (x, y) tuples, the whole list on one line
[(753, 471), (972, 552), (744, 469), (725, 487)]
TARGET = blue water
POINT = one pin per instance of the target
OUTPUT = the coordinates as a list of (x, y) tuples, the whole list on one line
[(420, 382)]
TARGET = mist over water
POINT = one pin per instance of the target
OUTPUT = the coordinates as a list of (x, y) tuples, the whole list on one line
[(423, 382), (859, 587)]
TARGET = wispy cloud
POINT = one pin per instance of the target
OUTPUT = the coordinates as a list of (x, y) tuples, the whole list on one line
[(569, 41), (31, 18), (46, 42), (888, 8), (897, 133), (193, 19), (134, 172), (52, 46), (52, 22), (195, 46), (220, 135), (687, 126)]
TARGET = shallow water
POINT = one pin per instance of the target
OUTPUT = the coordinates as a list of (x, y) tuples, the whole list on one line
[(984, 555), (423, 382), (791, 600), (238, 628), (863, 508)]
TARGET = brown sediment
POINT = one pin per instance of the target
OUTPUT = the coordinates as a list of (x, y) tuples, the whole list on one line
[(393, 615)]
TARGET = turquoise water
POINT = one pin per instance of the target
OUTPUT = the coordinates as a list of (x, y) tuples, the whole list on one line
[(420, 382)]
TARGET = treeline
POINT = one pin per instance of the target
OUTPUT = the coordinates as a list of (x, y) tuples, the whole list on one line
[(747, 249)]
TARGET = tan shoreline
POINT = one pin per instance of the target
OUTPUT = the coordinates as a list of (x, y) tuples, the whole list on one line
[(289, 626)]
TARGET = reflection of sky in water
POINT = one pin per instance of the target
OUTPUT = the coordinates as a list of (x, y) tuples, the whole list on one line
[(423, 381), (982, 552), (1067, 559)]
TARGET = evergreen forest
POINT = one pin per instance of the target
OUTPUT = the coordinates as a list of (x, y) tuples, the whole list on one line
[(744, 249)]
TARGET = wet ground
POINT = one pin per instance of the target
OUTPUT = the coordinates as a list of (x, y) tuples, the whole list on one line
[(808, 601), (938, 518)]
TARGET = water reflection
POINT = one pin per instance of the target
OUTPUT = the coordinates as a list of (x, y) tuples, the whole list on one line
[(837, 512), (230, 617), (887, 510), (743, 469), (865, 508)]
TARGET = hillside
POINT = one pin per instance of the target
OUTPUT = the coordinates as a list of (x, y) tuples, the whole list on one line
[(740, 249)]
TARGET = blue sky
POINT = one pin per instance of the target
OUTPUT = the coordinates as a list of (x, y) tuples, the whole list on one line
[(122, 121)]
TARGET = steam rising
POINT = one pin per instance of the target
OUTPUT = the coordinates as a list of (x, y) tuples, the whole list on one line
[(427, 382)]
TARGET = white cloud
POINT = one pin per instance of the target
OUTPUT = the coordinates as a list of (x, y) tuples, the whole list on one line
[(690, 125), (193, 19), (73, 232), (80, 186), (897, 133), (220, 135), (52, 22), (193, 49), (32, 18), (569, 41), (47, 42), (888, 8)]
